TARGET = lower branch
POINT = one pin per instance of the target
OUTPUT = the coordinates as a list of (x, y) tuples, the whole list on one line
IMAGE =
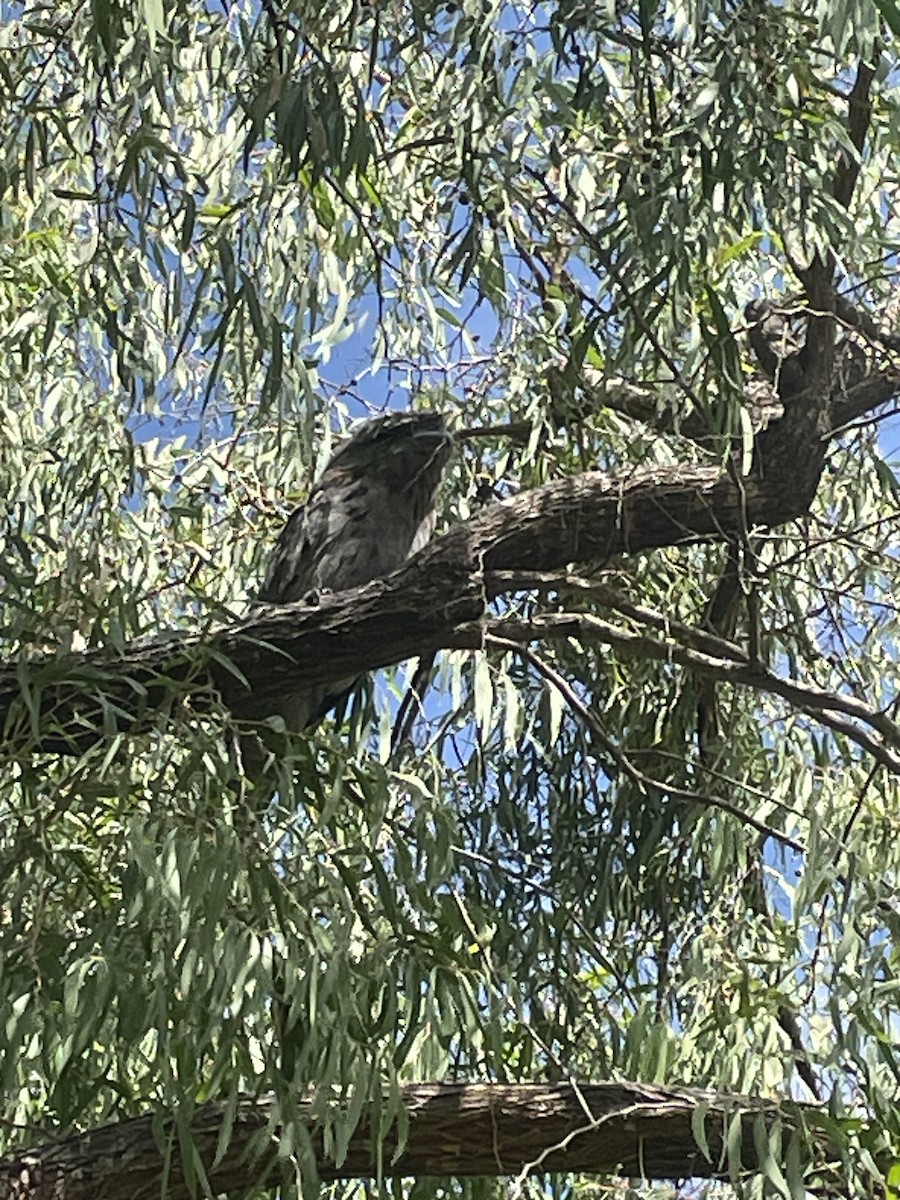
[(486, 1130)]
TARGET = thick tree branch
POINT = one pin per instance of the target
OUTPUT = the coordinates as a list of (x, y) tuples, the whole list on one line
[(66, 703), (805, 393), (864, 398), (859, 117), (641, 402), (858, 319), (471, 1130)]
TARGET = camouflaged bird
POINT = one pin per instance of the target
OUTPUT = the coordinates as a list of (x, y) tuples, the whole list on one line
[(370, 511)]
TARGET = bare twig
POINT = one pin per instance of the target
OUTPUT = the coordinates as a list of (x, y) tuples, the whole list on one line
[(733, 667), (644, 783)]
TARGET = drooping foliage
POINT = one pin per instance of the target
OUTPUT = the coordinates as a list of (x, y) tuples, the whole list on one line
[(227, 232)]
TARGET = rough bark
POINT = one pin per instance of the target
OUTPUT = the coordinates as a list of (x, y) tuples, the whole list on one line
[(453, 1129), (66, 703)]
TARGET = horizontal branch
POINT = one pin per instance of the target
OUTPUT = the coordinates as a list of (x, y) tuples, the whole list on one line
[(471, 1130), (66, 703), (865, 397)]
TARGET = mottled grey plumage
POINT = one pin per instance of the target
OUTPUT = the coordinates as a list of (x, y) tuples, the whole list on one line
[(372, 508)]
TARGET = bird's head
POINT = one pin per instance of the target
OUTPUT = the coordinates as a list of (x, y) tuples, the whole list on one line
[(405, 447)]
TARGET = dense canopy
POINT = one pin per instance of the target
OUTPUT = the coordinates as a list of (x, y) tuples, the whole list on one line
[(617, 802)]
